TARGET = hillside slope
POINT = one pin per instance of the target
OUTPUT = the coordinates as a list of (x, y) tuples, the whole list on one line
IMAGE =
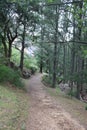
[(13, 108)]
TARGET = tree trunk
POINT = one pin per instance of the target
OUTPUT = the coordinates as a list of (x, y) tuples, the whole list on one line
[(78, 91), (41, 66), (4, 44), (79, 65), (54, 66), (55, 49), (72, 66), (23, 46), (64, 60), (5, 48), (41, 45), (9, 52)]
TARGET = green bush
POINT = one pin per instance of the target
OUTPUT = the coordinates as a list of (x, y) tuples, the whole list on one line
[(59, 79), (72, 93), (86, 107), (9, 75), (47, 80), (33, 69)]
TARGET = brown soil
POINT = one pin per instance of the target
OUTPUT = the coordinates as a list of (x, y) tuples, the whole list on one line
[(44, 111)]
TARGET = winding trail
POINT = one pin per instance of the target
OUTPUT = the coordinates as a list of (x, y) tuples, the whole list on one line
[(44, 111)]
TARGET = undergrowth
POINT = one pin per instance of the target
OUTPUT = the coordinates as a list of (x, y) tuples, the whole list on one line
[(9, 75), (46, 80)]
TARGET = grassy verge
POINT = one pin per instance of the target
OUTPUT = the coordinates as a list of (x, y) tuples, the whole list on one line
[(13, 108), (73, 106)]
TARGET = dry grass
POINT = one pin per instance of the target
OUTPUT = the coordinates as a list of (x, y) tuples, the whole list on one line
[(75, 107), (13, 108)]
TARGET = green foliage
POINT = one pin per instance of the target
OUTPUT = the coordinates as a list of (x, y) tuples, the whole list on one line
[(33, 69), (80, 77), (9, 75), (59, 79), (15, 56), (72, 93), (29, 61), (31, 64), (50, 1), (46, 80), (58, 89), (84, 51), (86, 107), (2, 57)]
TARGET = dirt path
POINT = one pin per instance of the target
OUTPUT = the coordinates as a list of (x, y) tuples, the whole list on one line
[(44, 111)]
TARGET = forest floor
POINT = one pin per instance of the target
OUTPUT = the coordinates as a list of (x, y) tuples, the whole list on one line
[(50, 111)]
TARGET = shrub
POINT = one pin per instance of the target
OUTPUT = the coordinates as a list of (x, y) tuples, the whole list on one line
[(33, 69), (72, 93), (46, 80), (59, 79), (86, 107), (9, 75)]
